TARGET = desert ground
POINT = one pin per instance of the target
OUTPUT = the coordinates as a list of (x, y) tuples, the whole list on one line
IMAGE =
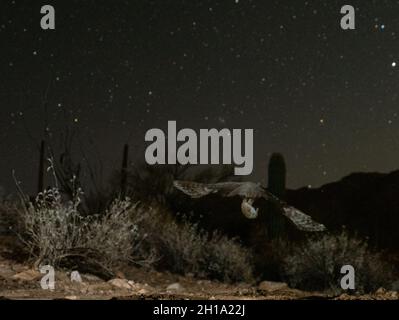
[(22, 281)]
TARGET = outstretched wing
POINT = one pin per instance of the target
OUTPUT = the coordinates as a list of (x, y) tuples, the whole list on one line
[(249, 190), (198, 190), (301, 220)]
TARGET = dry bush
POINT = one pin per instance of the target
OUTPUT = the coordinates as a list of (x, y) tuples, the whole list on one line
[(184, 248), (316, 265), (55, 232), (180, 246), (227, 260)]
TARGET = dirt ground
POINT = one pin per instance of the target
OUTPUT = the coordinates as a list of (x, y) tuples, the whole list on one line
[(19, 281)]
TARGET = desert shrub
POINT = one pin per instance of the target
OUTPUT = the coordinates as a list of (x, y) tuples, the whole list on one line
[(181, 247), (55, 231), (184, 248), (228, 260), (316, 264)]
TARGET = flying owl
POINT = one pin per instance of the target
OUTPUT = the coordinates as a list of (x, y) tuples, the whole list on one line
[(249, 192)]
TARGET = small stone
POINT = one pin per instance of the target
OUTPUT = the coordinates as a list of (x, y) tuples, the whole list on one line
[(175, 287), (143, 291), (344, 296), (71, 297), (91, 278), (120, 283), (380, 291), (271, 286)]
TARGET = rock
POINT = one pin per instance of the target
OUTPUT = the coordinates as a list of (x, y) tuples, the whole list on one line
[(270, 286), (120, 283), (345, 296), (91, 278), (143, 291), (75, 277), (29, 275), (380, 291), (71, 298), (131, 283), (177, 287)]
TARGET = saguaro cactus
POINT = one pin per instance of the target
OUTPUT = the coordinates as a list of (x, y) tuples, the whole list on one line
[(276, 184), (124, 171)]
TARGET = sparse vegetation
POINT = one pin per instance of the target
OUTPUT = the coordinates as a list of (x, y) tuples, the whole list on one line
[(54, 232), (184, 248), (316, 264), (147, 232), (227, 260)]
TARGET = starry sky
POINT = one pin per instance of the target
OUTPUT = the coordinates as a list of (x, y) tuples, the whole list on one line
[(324, 97)]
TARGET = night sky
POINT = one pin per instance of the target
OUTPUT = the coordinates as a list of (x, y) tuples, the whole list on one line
[(324, 97)]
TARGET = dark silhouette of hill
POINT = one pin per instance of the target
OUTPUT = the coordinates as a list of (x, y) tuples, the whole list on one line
[(366, 203)]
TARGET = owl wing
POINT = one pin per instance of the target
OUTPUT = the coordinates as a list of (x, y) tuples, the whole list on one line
[(301, 220), (249, 190), (198, 190)]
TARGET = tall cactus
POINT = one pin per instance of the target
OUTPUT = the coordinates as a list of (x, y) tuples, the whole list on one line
[(276, 184), (124, 171), (40, 177)]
